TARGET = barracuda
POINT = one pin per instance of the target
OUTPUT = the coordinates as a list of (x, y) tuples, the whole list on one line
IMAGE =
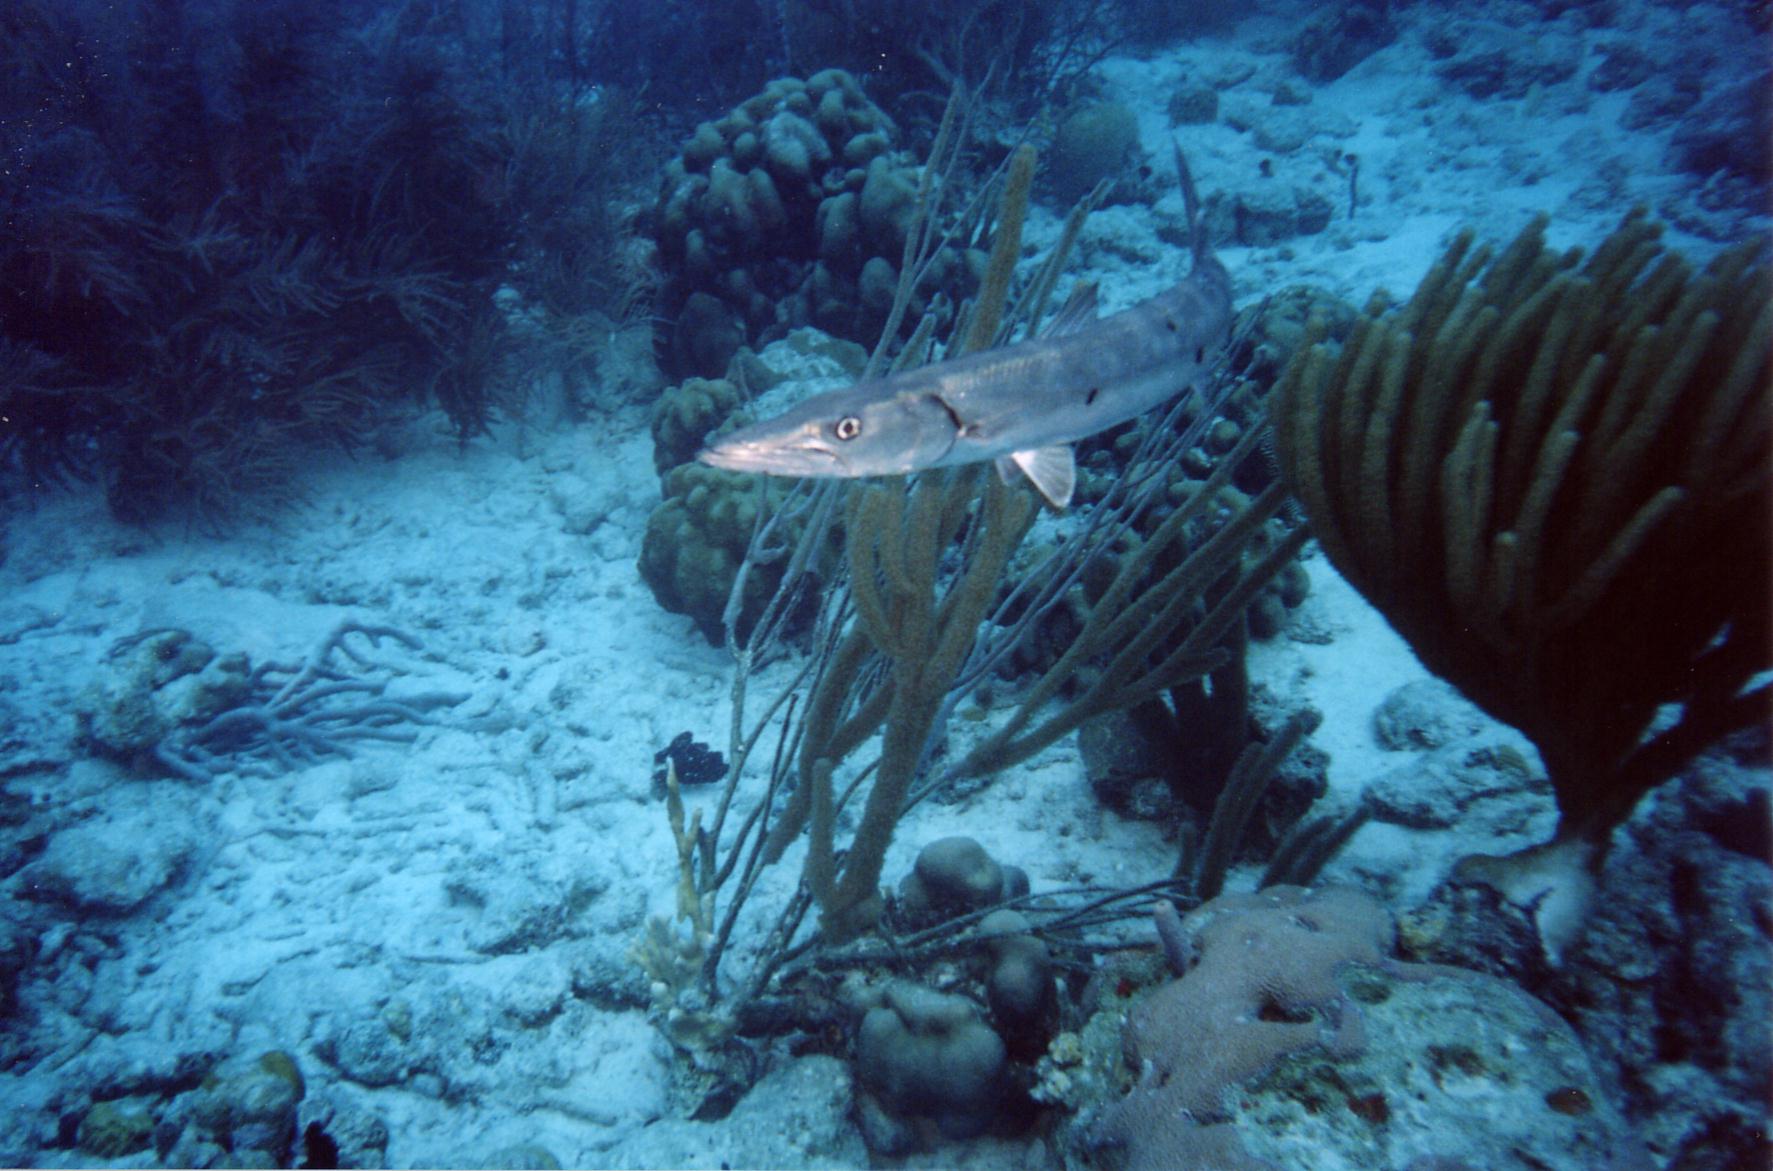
[(1020, 406)]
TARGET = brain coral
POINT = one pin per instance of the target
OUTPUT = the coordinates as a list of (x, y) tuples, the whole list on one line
[(1092, 143)]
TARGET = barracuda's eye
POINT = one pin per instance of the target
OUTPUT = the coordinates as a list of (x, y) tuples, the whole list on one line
[(847, 427)]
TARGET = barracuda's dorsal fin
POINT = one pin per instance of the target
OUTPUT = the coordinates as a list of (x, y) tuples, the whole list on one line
[(1078, 311), (1051, 470), (1197, 228)]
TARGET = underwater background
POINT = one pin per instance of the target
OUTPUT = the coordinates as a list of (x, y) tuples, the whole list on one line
[(411, 756)]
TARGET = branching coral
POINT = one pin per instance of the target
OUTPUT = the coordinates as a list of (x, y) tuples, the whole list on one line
[(297, 713), (1553, 478), (923, 634)]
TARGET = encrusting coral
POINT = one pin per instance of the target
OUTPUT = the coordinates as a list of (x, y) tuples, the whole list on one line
[(1292, 1037), (1553, 478)]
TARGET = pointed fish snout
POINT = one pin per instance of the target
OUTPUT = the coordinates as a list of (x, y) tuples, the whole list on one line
[(770, 458), (734, 457)]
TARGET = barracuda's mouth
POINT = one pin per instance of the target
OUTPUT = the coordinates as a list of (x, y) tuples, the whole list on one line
[(772, 457)]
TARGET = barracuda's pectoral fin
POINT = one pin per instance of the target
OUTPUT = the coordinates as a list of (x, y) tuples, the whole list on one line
[(1051, 470)]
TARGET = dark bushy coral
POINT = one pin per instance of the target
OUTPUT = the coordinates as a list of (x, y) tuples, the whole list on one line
[(687, 52), (235, 231), (903, 46)]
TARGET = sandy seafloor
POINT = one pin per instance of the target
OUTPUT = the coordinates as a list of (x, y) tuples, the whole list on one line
[(488, 879)]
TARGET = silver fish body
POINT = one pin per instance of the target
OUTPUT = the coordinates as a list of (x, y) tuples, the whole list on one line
[(1019, 405)]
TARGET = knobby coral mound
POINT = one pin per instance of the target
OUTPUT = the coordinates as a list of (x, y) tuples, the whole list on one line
[(791, 209), (695, 542), (926, 1059)]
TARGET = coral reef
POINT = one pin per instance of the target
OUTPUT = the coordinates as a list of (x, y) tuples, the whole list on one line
[(115, 1128), (697, 537), (1669, 982), (932, 1064), (158, 682), (684, 415), (1095, 141), (920, 618), (1490, 61), (926, 1062), (696, 540), (953, 876), (1336, 42), (241, 1112), (1019, 987)]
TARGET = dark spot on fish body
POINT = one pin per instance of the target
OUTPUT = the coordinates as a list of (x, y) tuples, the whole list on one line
[(1090, 396), (1200, 355), (1569, 1100), (1170, 324)]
